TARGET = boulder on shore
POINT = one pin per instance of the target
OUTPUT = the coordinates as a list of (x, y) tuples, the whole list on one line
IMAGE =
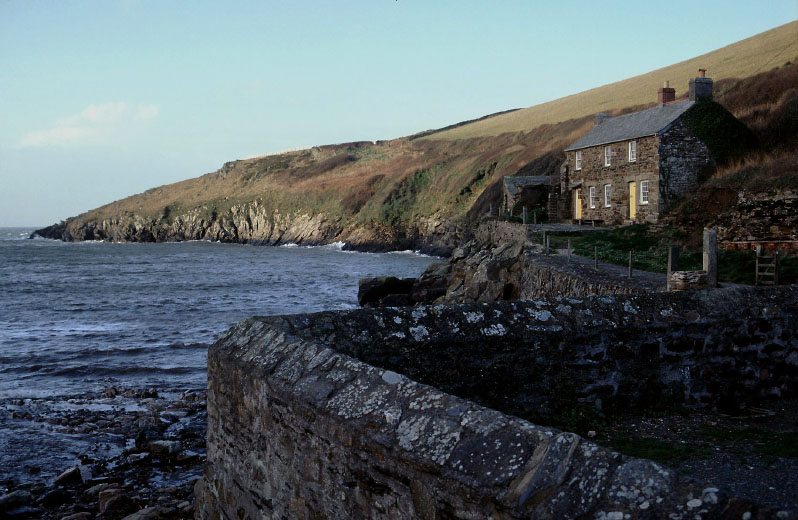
[(372, 290)]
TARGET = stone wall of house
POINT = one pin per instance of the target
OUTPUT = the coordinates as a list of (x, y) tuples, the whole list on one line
[(381, 413), (619, 174), (768, 218), (683, 159)]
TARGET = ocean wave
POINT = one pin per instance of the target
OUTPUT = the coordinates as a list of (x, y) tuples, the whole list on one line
[(410, 252)]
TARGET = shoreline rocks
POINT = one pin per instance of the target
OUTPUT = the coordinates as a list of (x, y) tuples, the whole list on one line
[(150, 450)]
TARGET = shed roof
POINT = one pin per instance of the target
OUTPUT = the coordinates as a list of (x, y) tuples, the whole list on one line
[(515, 183), (629, 126)]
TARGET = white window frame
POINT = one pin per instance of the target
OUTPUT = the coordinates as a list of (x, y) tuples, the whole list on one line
[(632, 151), (644, 193), (607, 155), (578, 160), (592, 197), (607, 195)]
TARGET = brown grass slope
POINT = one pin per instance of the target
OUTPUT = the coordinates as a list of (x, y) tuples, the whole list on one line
[(738, 60)]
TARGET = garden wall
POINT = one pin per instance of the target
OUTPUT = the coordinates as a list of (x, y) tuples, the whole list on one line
[(384, 413)]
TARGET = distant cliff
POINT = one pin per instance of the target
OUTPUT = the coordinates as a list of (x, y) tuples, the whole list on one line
[(252, 223)]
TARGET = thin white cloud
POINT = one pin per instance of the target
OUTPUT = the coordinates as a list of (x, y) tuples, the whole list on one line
[(56, 136), (96, 124), (145, 112)]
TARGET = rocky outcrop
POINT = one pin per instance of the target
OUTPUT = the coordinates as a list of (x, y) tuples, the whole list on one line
[(382, 413), (254, 223), (481, 272)]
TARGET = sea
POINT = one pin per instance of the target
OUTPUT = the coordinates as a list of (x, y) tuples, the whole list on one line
[(78, 317)]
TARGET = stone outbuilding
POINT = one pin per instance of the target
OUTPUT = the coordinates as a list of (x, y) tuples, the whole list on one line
[(530, 191), (632, 168)]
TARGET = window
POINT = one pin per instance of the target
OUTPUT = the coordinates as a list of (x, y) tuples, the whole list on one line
[(592, 196), (632, 151), (579, 160), (643, 192), (607, 155), (607, 193)]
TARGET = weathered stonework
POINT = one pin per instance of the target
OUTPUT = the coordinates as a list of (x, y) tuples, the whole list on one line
[(619, 174), (330, 416), (495, 232), (683, 158), (769, 218)]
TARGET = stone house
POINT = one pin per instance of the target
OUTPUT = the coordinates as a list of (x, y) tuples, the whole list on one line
[(631, 168), (531, 191)]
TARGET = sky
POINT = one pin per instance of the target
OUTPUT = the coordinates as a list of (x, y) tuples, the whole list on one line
[(102, 99)]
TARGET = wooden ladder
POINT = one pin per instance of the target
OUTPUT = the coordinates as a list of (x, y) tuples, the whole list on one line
[(767, 267)]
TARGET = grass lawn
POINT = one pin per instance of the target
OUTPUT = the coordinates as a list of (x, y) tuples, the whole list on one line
[(650, 252)]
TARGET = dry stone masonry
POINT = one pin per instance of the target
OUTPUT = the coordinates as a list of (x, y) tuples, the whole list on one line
[(425, 412)]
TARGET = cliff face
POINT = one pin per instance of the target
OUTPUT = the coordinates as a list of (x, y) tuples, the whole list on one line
[(253, 223)]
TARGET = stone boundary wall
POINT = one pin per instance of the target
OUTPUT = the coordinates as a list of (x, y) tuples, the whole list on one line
[(767, 218), (298, 428), (547, 276)]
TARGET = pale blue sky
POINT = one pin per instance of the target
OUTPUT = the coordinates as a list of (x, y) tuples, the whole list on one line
[(100, 100)]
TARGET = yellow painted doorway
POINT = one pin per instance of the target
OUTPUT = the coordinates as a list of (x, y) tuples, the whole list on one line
[(632, 200), (577, 204)]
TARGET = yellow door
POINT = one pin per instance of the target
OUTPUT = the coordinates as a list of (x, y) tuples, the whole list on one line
[(578, 204), (632, 200)]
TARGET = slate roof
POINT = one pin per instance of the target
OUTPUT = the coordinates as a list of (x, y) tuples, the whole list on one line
[(513, 184), (630, 126)]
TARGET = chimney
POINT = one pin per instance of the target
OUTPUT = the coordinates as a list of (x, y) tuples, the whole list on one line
[(700, 87), (666, 94), (601, 117)]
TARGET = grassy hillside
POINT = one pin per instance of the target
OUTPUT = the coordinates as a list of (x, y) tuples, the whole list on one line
[(387, 182), (392, 185), (738, 60)]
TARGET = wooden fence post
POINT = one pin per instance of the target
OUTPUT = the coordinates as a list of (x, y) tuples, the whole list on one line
[(673, 264), (630, 264)]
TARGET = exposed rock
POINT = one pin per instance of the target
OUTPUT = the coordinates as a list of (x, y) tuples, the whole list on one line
[(54, 497), (164, 448), (14, 500), (69, 477), (146, 435), (148, 513), (114, 502), (256, 223), (372, 290), (687, 280), (93, 492), (79, 516)]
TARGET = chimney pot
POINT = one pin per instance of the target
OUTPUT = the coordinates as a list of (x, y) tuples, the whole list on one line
[(700, 87), (666, 94)]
